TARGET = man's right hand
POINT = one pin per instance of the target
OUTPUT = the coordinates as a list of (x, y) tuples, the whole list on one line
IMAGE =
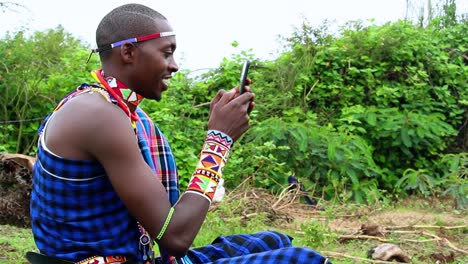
[(229, 112)]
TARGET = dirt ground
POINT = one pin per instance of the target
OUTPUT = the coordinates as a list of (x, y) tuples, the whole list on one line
[(427, 230)]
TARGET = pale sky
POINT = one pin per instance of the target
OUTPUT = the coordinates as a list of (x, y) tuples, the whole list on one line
[(206, 28)]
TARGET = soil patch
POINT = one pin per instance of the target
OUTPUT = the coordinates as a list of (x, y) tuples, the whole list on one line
[(15, 193)]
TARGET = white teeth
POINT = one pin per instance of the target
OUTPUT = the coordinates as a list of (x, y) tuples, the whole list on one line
[(165, 81)]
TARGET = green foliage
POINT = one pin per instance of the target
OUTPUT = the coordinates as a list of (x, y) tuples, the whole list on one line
[(400, 87), (455, 179), (401, 138), (340, 164), (36, 72), (419, 180), (318, 234)]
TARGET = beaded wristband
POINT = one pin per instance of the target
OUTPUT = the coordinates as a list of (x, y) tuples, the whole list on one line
[(166, 223), (209, 170)]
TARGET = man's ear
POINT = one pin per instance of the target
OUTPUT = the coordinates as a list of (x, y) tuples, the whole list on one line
[(128, 52)]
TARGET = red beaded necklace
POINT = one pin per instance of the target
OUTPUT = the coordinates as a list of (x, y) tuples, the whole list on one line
[(119, 91)]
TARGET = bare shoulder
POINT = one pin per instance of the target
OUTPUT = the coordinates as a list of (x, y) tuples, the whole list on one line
[(86, 122)]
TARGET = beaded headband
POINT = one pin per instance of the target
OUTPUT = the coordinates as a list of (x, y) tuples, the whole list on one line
[(131, 40)]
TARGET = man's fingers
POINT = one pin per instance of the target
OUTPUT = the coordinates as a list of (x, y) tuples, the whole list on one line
[(251, 106), (216, 99), (247, 89), (244, 99), (218, 96), (227, 96)]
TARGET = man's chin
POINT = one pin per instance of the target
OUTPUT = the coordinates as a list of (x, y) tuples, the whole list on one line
[(154, 96), (157, 97)]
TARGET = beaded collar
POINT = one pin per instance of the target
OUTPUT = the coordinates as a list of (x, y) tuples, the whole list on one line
[(120, 92)]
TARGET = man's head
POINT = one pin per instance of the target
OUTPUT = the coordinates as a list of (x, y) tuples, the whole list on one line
[(144, 65)]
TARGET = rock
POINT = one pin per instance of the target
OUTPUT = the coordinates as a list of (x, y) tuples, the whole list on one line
[(373, 230), (389, 252)]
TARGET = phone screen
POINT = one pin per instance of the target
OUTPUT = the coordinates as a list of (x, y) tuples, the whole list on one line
[(245, 71)]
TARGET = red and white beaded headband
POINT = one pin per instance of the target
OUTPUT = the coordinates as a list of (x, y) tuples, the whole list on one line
[(131, 40)]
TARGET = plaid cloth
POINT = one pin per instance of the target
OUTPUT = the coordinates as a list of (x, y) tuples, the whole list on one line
[(157, 153), (74, 210), (267, 247)]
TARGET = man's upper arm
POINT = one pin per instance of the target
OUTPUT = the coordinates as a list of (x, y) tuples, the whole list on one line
[(112, 141)]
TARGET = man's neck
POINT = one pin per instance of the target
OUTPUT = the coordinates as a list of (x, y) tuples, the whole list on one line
[(128, 96)]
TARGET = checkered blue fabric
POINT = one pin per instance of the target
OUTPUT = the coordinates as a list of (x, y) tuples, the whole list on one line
[(267, 247), (75, 212)]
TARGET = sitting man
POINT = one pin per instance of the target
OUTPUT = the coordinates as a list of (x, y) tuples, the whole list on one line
[(105, 183)]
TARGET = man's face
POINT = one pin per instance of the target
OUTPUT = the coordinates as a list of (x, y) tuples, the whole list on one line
[(155, 64)]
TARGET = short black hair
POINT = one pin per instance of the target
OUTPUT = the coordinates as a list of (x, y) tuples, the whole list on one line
[(127, 21)]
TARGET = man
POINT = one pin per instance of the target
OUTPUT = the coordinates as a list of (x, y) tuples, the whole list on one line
[(105, 182)]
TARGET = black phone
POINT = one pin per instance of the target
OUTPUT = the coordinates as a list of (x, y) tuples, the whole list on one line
[(245, 71)]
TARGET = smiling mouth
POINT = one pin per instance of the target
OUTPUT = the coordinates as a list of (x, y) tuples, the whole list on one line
[(165, 80)]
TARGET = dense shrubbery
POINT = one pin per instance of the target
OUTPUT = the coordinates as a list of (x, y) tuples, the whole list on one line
[(35, 72), (367, 114)]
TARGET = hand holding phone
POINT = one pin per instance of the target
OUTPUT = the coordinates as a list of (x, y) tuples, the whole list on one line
[(243, 78)]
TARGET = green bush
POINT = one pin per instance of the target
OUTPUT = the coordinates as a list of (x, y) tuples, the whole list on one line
[(36, 72), (369, 112)]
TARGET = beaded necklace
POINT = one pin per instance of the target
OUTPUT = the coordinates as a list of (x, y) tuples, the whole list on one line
[(120, 92)]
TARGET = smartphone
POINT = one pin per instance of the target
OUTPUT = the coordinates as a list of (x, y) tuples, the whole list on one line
[(243, 78)]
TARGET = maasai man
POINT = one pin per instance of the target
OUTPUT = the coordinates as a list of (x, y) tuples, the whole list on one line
[(105, 184)]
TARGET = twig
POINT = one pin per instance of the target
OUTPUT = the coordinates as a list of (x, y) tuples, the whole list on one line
[(202, 104), (284, 193), (341, 255), (364, 237), (426, 227), (457, 52), (349, 216), (414, 232), (450, 245), (311, 89), (419, 241), (434, 238), (9, 6), (241, 185), (248, 215)]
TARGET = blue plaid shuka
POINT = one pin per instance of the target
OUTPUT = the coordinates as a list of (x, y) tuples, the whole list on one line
[(75, 212), (267, 247)]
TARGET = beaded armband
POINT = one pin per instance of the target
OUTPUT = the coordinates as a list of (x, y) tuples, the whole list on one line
[(209, 170)]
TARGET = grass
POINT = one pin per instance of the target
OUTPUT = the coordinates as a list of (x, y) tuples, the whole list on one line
[(423, 224), (426, 229), (14, 243)]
